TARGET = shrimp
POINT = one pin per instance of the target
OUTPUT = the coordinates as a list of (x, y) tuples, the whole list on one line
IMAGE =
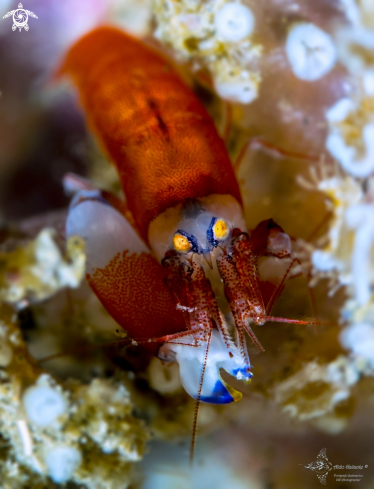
[(174, 265)]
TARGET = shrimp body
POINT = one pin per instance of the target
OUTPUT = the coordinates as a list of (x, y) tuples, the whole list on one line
[(152, 126), (182, 275)]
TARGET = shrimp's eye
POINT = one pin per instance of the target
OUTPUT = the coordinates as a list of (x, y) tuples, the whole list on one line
[(181, 243), (218, 231), (185, 243)]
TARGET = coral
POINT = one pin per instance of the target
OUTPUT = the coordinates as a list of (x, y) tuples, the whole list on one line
[(350, 140), (330, 259), (355, 41), (351, 124), (215, 35), (53, 431), (316, 390), (134, 16), (37, 270), (345, 253)]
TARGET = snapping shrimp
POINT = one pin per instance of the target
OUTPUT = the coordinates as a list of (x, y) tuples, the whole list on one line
[(174, 266)]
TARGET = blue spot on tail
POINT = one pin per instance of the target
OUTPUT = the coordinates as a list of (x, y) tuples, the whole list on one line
[(220, 395)]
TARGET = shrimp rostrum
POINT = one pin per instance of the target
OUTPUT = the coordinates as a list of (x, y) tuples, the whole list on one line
[(181, 274)]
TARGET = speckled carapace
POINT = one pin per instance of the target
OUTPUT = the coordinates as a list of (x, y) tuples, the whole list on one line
[(153, 127), (184, 272)]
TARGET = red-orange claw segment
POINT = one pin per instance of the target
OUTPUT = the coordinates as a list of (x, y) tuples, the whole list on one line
[(127, 279), (131, 288), (269, 240), (161, 139)]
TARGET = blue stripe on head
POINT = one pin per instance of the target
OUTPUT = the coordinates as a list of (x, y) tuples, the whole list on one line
[(195, 247), (209, 234)]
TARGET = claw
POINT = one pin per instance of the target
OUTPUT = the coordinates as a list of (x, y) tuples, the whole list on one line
[(190, 359)]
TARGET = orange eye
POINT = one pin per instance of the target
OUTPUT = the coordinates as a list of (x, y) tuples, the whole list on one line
[(181, 243), (221, 229)]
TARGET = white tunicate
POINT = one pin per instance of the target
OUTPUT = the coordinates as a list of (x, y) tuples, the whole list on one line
[(62, 462), (310, 51), (234, 22), (43, 404)]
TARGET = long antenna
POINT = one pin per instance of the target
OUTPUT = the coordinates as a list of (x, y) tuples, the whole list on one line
[(197, 404), (125, 342)]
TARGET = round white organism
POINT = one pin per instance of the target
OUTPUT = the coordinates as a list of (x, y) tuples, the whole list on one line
[(62, 462), (43, 404), (242, 91), (310, 51), (234, 22)]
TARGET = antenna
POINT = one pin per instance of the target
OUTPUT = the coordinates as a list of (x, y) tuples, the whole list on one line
[(197, 404)]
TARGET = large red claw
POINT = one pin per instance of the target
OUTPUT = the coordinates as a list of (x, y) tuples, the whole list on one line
[(126, 277)]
